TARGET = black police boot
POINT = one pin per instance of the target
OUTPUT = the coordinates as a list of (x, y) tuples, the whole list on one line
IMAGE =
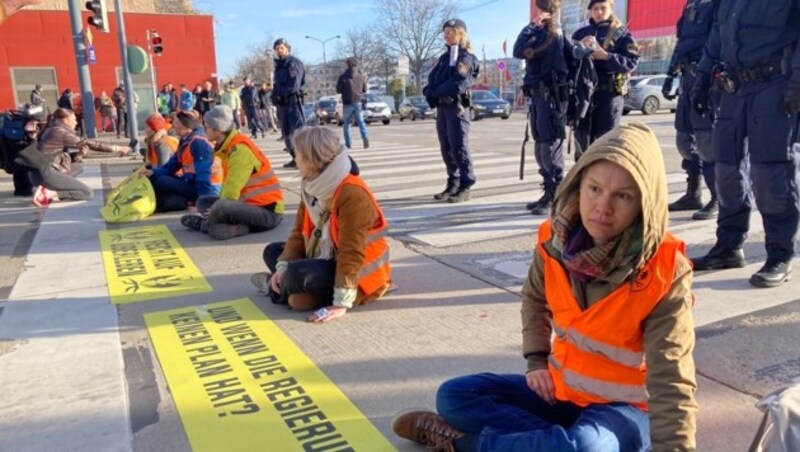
[(772, 274), (546, 202), (449, 190), (290, 164), (535, 204), (692, 200), (710, 210), (460, 196), (717, 259)]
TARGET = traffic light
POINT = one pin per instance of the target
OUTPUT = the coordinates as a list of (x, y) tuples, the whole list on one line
[(156, 42), (99, 18)]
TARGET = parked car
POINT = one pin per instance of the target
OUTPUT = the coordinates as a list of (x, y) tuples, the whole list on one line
[(415, 107), (329, 109), (486, 105), (646, 95), (376, 109), (310, 114)]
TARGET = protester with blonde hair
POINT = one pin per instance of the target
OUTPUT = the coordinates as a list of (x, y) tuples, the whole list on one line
[(336, 256)]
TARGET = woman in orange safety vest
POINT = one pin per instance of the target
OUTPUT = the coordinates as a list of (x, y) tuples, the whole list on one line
[(337, 255), (160, 145), (607, 325)]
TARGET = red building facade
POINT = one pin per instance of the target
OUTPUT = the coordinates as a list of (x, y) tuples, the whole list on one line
[(37, 47)]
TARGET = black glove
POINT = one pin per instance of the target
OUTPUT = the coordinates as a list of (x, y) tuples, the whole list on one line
[(666, 89), (791, 102), (700, 98)]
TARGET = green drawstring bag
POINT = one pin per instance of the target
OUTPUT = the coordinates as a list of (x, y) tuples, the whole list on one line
[(132, 200)]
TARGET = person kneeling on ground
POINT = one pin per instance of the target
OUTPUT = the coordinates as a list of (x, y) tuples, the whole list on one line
[(160, 145), (607, 329), (64, 148), (191, 172), (251, 199), (337, 255)]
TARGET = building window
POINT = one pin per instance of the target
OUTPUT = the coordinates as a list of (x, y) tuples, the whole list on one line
[(25, 79)]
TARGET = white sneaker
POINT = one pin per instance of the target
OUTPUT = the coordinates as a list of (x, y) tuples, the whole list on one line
[(261, 282), (41, 198)]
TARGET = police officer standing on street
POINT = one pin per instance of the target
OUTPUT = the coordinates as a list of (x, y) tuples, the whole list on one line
[(448, 91), (694, 130), (755, 43), (615, 56), (249, 98), (287, 93), (542, 45)]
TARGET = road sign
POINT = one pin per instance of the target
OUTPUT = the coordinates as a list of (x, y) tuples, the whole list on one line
[(402, 65), (501, 65)]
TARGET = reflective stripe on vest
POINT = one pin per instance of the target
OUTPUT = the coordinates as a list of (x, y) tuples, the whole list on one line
[(375, 271), (262, 188), (187, 162), (597, 354)]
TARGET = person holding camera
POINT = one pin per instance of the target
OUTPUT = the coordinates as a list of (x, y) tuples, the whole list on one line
[(448, 91), (694, 130), (542, 47), (287, 94), (615, 55)]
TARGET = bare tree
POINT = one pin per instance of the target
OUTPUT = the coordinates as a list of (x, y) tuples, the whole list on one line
[(413, 28), (362, 44)]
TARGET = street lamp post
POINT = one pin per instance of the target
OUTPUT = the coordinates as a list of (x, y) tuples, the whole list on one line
[(324, 59)]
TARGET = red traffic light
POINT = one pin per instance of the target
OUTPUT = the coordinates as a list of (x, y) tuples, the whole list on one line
[(156, 43)]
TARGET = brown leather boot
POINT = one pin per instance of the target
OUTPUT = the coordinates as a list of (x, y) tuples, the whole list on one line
[(427, 428)]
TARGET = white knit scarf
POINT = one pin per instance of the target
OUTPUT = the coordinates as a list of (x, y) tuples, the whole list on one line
[(317, 194)]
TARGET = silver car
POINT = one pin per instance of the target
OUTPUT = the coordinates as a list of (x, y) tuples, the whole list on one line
[(646, 95)]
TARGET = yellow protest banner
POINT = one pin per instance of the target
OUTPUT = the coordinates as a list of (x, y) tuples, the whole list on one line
[(240, 384), (132, 200), (147, 263)]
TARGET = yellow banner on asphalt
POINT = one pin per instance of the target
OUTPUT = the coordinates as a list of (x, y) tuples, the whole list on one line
[(147, 263), (240, 384)]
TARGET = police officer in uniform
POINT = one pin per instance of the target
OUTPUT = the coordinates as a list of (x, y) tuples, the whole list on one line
[(694, 130), (615, 56), (448, 91), (287, 93), (542, 46), (756, 45)]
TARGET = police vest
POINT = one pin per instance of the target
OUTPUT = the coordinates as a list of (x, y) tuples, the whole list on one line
[(187, 163), (262, 188), (597, 354), (152, 157), (375, 273)]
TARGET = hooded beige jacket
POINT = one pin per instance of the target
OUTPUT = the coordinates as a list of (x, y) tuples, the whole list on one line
[(669, 330)]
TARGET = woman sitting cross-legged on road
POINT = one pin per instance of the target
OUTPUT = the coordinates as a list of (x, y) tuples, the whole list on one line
[(607, 326), (251, 199), (337, 255)]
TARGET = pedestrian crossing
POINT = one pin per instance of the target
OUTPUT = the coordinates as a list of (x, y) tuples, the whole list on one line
[(404, 177)]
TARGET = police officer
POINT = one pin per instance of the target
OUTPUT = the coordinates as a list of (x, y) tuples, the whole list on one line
[(287, 93), (448, 91), (694, 130), (249, 98), (615, 56), (543, 46), (756, 44)]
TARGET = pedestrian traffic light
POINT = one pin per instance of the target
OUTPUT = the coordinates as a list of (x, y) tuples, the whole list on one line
[(99, 18), (156, 42)]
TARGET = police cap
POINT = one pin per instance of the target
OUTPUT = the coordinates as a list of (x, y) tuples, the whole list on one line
[(592, 2), (453, 23), (280, 41)]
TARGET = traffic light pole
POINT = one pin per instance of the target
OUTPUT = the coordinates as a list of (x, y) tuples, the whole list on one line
[(84, 77), (152, 70), (133, 126)]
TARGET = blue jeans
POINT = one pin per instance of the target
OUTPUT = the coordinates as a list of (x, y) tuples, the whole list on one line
[(507, 415), (353, 110)]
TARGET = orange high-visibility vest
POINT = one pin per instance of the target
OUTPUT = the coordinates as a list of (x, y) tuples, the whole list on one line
[(597, 355), (375, 272), (262, 188), (187, 162), (152, 157)]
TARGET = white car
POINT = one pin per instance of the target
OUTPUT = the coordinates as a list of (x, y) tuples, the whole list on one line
[(376, 109)]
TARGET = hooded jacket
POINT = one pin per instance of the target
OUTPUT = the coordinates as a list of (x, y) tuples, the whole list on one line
[(668, 331)]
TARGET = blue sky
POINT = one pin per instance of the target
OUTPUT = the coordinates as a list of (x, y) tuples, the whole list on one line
[(239, 23)]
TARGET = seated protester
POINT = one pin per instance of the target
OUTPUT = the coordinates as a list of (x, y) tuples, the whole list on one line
[(615, 288), (191, 172), (64, 150), (160, 145), (336, 256), (251, 199)]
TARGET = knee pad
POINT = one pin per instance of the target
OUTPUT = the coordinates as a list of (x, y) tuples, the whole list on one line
[(733, 186), (685, 142), (775, 187)]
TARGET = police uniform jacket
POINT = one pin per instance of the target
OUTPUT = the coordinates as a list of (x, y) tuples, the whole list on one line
[(545, 58), (249, 96), (452, 81), (749, 34), (290, 78), (693, 29), (622, 49)]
